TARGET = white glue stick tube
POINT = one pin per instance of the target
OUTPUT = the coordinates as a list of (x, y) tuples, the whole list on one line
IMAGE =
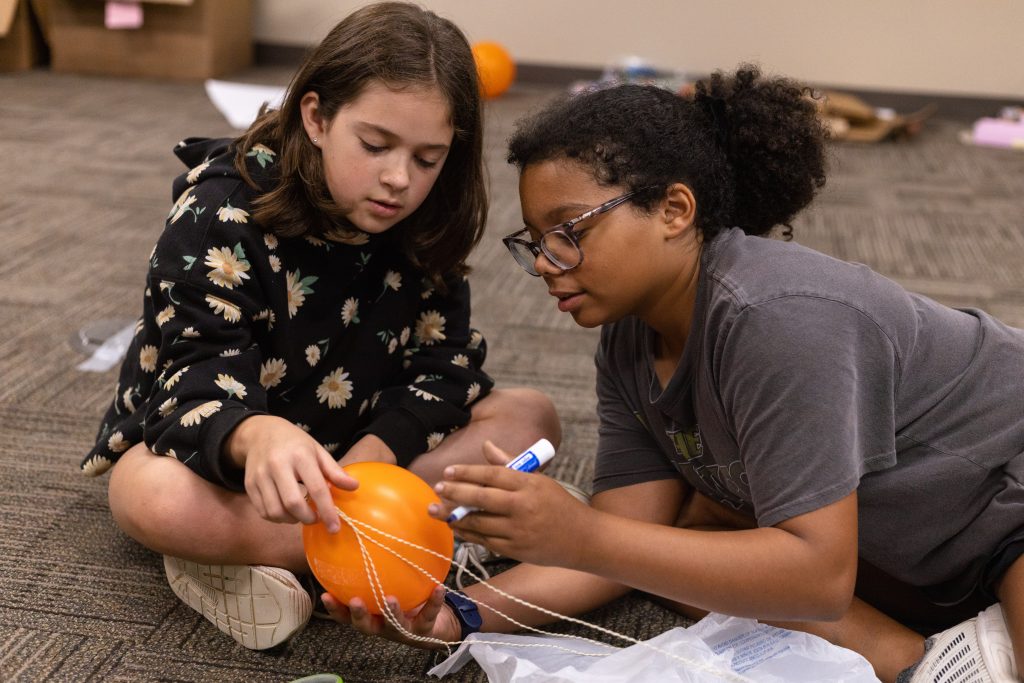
[(529, 460)]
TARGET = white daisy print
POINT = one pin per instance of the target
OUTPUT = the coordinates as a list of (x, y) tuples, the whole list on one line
[(228, 353), (231, 214), (472, 392), (298, 288), (430, 328), (331, 447), (264, 155), (475, 340), (393, 280), (374, 399), (312, 354), (350, 311), (164, 315), (231, 312), (461, 359), (303, 427), (272, 372), (315, 241), (147, 358), (268, 315), (434, 440), (197, 414), (193, 175), (270, 240), (230, 385), (190, 333), (173, 379), (405, 336), (117, 443), (364, 405), (420, 393), (335, 390), (393, 345), (427, 291), (184, 205), (139, 324), (96, 465), (275, 263), (228, 267), (168, 407), (127, 399)]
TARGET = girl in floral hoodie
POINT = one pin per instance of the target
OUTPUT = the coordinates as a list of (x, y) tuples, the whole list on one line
[(306, 307)]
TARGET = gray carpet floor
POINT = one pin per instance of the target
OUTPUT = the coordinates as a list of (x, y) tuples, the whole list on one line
[(85, 177)]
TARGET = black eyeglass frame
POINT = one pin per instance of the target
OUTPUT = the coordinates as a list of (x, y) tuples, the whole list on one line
[(537, 247)]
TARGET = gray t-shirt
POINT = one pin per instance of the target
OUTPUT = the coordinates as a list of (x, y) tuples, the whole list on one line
[(805, 378)]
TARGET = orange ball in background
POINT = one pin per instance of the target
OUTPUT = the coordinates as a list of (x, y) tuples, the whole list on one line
[(394, 500), (494, 68)]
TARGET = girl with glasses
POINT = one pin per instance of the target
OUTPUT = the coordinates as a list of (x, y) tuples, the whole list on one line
[(780, 431)]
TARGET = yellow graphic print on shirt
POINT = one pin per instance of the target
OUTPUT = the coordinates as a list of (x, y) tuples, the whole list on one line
[(726, 484)]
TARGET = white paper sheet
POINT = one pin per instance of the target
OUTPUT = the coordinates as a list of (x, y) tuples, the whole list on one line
[(241, 102), (110, 352)]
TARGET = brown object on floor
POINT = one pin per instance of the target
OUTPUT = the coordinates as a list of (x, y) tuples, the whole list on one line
[(851, 119)]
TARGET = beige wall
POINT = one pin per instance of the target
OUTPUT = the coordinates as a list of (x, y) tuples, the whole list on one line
[(972, 47)]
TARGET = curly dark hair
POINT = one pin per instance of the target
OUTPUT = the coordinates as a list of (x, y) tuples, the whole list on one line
[(751, 149)]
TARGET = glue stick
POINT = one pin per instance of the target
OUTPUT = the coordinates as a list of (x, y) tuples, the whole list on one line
[(529, 460)]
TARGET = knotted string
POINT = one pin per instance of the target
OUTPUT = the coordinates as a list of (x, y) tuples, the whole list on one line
[(357, 527)]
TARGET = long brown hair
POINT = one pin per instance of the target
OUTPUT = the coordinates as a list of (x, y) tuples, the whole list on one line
[(401, 46)]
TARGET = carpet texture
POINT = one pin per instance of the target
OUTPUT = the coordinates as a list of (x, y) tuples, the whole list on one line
[(86, 174)]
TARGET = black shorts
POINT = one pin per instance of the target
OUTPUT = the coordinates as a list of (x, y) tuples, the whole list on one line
[(1008, 552)]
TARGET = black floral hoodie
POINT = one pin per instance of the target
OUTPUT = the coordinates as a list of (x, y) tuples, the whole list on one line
[(340, 334)]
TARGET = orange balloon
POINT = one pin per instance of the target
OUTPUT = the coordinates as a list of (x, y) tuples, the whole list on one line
[(393, 500), (494, 68)]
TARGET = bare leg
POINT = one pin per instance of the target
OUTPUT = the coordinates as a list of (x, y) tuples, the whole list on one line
[(163, 505), (1011, 596), (512, 418)]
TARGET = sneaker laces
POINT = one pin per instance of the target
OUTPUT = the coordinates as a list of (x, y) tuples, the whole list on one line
[(474, 554)]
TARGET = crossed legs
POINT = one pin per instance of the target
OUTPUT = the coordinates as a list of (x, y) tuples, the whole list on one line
[(164, 506)]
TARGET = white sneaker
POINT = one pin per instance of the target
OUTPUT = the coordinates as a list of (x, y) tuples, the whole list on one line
[(976, 651), (259, 607)]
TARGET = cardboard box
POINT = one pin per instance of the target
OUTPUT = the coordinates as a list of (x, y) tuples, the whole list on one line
[(179, 39), (21, 45)]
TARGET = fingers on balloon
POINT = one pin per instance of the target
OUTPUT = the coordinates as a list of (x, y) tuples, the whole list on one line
[(388, 533)]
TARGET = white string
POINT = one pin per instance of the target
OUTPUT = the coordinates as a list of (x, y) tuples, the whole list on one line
[(378, 594)]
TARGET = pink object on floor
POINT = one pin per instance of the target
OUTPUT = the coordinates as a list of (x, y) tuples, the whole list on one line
[(998, 133), (123, 15)]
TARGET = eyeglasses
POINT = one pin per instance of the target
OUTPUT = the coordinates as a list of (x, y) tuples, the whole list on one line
[(561, 244)]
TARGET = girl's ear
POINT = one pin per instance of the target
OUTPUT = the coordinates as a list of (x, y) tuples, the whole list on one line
[(312, 119), (679, 209)]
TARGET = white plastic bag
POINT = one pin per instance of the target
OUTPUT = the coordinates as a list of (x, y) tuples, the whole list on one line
[(717, 648)]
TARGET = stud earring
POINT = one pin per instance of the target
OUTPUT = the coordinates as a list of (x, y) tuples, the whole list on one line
[(316, 141)]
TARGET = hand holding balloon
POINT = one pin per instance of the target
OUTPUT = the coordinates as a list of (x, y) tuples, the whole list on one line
[(388, 511), (433, 620)]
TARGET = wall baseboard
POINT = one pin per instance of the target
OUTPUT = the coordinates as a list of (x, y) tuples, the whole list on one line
[(964, 108)]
